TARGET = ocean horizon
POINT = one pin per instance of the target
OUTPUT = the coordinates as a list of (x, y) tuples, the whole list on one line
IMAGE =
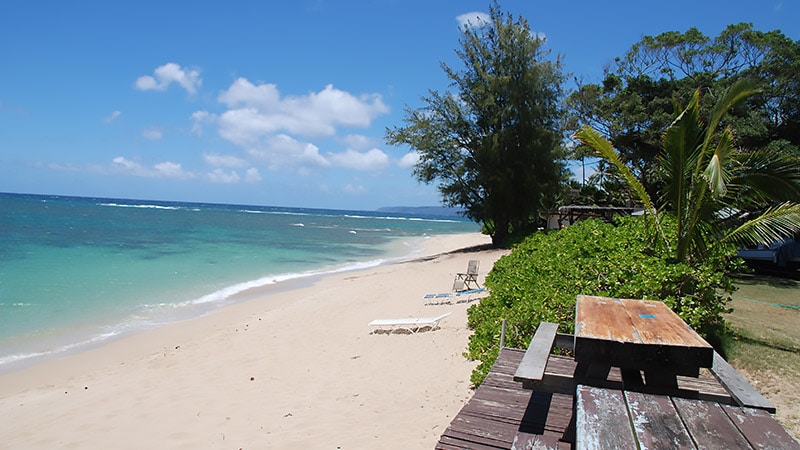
[(78, 271)]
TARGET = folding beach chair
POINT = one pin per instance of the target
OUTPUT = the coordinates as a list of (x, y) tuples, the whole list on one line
[(464, 281)]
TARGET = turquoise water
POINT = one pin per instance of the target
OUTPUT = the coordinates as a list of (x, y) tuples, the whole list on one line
[(76, 271)]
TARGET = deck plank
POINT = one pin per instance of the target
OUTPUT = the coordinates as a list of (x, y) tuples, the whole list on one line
[(709, 426), (602, 420), (656, 422), (761, 429), (501, 408)]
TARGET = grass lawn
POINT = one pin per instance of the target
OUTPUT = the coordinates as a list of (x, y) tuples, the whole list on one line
[(766, 348)]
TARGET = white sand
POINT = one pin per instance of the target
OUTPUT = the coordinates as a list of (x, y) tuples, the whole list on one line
[(286, 369)]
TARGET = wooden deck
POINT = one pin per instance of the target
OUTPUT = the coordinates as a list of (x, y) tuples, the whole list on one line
[(504, 415), (501, 408)]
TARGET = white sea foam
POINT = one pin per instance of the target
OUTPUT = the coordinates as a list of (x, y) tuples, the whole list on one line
[(18, 357), (228, 292), (415, 219), (124, 205)]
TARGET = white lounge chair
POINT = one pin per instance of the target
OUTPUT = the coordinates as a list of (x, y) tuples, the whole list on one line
[(445, 298), (438, 299), (410, 324), (469, 295)]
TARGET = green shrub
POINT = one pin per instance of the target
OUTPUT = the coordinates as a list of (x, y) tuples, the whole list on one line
[(541, 278)]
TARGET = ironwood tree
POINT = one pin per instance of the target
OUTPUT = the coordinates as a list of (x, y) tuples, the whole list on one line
[(494, 146)]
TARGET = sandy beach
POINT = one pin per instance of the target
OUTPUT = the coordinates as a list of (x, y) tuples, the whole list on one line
[(289, 367)]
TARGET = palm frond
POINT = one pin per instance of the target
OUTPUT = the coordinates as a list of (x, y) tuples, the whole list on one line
[(716, 172), (603, 149), (736, 93), (773, 225), (679, 155), (769, 175)]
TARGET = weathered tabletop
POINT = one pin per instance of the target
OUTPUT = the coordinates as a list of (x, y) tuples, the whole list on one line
[(636, 335)]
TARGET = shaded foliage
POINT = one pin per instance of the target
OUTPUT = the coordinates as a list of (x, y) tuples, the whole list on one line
[(714, 191), (543, 275), (633, 104)]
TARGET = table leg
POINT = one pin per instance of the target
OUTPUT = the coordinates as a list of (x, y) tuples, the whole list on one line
[(597, 371), (632, 378), (661, 379)]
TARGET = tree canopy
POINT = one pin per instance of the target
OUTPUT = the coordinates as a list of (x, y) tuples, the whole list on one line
[(495, 145), (715, 192), (634, 103)]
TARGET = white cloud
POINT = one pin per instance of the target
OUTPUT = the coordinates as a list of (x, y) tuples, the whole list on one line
[(284, 151), (256, 110), (359, 141), (473, 19), (252, 175), (126, 163), (371, 160), (409, 160), (200, 118), (166, 169), (351, 189), (278, 129), (229, 161), (243, 93), (478, 19), (154, 134), (167, 74), (112, 117), (221, 176)]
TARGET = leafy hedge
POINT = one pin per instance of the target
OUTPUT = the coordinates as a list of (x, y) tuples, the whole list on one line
[(540, 280)]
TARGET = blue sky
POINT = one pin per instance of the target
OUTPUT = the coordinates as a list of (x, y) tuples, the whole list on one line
[(269, 103)]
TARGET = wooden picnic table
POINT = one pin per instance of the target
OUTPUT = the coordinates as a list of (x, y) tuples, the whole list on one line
[(677, 407), (636, 336)]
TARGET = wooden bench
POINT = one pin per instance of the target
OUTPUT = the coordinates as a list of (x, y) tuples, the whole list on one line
[(531, 370), (742, 392)]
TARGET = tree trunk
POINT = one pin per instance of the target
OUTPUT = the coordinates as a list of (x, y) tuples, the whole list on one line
[(500, 235)]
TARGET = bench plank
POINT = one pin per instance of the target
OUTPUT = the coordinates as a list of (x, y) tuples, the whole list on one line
[(709, 425), (527, 441), (741, 391), (535, 360), (656, 422), (602, 420), (761, 429)]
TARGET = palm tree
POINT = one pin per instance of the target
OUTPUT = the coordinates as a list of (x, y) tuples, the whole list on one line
[(715, 191)]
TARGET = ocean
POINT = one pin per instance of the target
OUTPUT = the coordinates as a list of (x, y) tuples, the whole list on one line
[(76, 271)]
